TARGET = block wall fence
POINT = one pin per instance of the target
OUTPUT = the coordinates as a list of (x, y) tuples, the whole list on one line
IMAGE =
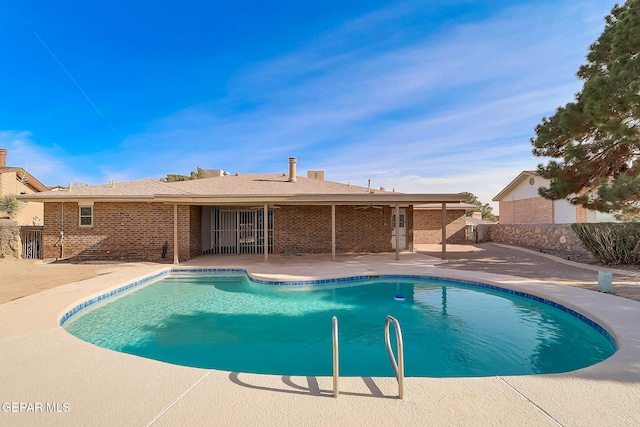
[(555, 237)]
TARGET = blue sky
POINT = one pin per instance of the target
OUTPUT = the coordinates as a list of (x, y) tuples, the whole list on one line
[(419, 96)]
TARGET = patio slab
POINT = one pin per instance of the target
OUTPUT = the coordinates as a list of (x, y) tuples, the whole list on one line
[(41, 363)]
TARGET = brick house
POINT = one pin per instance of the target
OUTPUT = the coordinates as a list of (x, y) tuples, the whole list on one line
[(520, 203), (17, 181), (229, 214), (428, 220)]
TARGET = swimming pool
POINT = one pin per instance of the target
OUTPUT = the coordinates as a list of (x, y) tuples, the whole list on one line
[(227, 321)]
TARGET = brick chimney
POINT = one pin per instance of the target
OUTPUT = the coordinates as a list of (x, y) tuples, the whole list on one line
[(3, 157)]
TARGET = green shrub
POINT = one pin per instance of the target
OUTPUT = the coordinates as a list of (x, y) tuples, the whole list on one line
[(10, 204), (611, 243)]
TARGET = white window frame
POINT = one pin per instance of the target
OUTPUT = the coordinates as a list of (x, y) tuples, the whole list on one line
[(81, 216)]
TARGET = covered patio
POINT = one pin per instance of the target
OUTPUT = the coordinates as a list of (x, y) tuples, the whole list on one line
[(244, 216)]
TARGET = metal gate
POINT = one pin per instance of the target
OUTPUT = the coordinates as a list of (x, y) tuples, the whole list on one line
[(240, 230), (31, 237)]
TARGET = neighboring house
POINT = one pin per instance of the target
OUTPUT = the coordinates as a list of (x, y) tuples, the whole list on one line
[(16, 181), (520, 203), (229, 214)]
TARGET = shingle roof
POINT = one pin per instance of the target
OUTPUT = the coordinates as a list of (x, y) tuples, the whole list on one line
[(255, 184), (241, 188), (30, 180), (139, 188)]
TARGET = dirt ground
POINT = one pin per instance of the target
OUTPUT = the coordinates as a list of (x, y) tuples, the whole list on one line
[(19, 278), (22, 277)]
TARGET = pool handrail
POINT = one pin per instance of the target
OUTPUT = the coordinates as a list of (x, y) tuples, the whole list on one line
[(398, 367), (336, 359)]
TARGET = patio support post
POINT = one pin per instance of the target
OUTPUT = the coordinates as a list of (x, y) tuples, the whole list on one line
[(333, 232), (444, 230), (175, 235), (265, 230), (397, 231)]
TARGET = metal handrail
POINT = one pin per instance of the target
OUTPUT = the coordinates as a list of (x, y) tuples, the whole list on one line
[(336, 361), (398, 367)]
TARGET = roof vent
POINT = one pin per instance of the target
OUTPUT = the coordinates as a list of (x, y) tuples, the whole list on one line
[(316, 175), (292, 169)]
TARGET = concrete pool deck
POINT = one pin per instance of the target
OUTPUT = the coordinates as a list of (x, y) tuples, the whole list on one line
[(48, 377)]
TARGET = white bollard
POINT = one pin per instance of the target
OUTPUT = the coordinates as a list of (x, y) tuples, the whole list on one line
[(605, 281)]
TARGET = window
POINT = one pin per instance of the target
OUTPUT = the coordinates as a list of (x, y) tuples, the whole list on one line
[(393, 220), (86, 216)]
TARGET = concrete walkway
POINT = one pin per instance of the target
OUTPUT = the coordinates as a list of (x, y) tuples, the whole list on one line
[(48, 377)]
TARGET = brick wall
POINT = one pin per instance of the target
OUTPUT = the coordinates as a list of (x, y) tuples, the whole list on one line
[(195, 231), (138, 231), (362, 230), (537, 210), (121, 231), (581, 213), (307, 229), (428, 226)]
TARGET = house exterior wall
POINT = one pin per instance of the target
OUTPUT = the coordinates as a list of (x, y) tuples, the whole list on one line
[(564, 212), (304, 229), (595, 216), (307, 229), (526, 211), (7, 183), (195, 231), (523, 205), (428, 226), (527, 189), (363, 230), (138, 231), (31, 213), (121, 231)]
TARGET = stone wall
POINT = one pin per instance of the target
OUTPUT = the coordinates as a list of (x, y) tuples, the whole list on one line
[(551, 237), (10, 243)]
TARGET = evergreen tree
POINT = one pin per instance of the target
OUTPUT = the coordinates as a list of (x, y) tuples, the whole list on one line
[(173, 177), (484, 208), (597, 137)]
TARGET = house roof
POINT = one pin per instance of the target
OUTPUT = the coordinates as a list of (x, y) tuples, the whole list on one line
[(513, 184), (475, 221), (448, 206), (239, 189), (29, 179)]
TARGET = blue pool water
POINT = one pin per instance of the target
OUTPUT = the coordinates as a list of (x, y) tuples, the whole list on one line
[(231, 323)]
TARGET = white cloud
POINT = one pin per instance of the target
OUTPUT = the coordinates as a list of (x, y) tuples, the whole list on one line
[(421, 108)]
